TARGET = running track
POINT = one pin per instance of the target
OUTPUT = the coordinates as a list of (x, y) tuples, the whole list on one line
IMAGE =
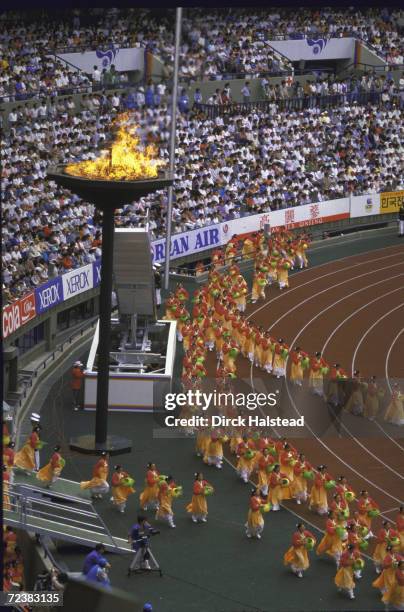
[(351, 309)]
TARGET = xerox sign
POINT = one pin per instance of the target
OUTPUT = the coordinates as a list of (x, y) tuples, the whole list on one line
[(49, 295), (77, 281)]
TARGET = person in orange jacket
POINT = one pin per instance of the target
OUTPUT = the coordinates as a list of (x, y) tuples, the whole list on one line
[(76, 383), (297, 555)]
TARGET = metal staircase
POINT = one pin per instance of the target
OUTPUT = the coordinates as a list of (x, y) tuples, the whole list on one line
[(61, 515)]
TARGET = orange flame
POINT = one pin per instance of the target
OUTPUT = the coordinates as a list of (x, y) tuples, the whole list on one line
[(125, 161)]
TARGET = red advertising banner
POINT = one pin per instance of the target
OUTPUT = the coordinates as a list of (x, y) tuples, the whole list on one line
[(18, 314)]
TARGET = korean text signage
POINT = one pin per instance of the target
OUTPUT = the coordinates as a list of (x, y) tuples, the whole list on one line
[(391, 201), (18, 314)]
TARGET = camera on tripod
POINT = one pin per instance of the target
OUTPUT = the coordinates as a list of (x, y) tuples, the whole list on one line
[(143, 541)]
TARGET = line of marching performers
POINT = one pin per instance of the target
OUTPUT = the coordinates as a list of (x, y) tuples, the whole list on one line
[(282, 473), (218, 323)]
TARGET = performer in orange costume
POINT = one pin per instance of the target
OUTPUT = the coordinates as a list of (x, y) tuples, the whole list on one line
[(368, 509), (52, 470), (318, 369), (264, 464), (120, 488), (300, 361), (297, 555), (394, 595), (386, 536), (281, 353), (98, 485), (390, 563), (277, 482), (149, 495), (28, 457), (302, 473), (318, 494), (255, 520), (246, 459), (344, 578), (198, 508), (372, 402), (331, 544)]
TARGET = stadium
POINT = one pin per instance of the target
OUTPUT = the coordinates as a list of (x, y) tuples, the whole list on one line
[(202, 309)]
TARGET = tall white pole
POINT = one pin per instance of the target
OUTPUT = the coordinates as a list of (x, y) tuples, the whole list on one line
[(174, 111)]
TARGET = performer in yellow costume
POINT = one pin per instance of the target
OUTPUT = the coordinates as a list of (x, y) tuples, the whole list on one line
[(98, 485), (394, 596), (167, 492), (344, 578), (318, 369), (149, 495), (395, 410), (214, 451), (28, 457), (332, 543), (388, 570), (318, 493), (198, 507), (52, 470), (122, 487), (297, 555), (255, 520), (372, 402)]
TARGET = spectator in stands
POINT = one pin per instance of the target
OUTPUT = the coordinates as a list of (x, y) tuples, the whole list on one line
[(183, 102), (198, 98), (245, 91)]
